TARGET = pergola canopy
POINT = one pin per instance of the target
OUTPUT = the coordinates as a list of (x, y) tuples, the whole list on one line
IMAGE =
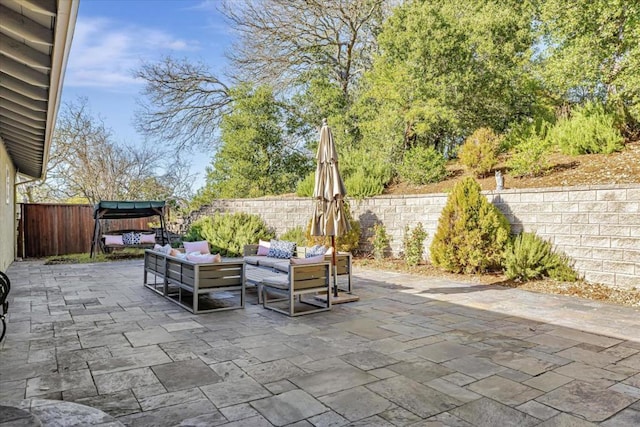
[(107, 209)]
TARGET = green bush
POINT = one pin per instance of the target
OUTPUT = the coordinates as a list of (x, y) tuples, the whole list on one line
[(295, 234), (422, 165), (413, 244), (479, 153), (471, 234), (591, 129), (305, 187), (346, 243), (530, 157), (380, 241), (531, 257), (361, 185), (228, 233), (365, 173)]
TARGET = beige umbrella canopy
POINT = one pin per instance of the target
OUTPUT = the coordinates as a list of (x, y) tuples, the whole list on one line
[(329, 191)]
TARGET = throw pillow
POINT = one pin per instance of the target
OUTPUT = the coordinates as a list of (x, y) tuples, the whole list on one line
[(201, 246), (166, 249), (127, 238), (263, 248), (135, 238), (315, 251), (281, 249), (310, 260), (147, 238), (113, 240)]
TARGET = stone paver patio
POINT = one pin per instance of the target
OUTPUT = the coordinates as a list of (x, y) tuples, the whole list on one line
[(413, 351)]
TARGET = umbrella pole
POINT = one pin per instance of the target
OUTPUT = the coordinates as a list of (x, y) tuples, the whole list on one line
[(335, 267)]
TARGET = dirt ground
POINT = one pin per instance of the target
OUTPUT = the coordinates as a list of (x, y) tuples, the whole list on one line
[(591, 169)]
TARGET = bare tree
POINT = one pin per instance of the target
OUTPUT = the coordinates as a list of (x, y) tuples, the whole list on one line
[(281, 40), (86, 164), (183, 103), (280, 43)]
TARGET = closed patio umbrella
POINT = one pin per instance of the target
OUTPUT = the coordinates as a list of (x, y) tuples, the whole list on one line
[(328, 193)]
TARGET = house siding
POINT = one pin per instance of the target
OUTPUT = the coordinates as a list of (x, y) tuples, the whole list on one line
[(7, 209)]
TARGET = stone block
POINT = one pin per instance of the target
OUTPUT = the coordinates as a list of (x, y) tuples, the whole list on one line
[(554, 218), (597, 241), (600, 277), (564, 207), (625, 243), (623, 207), (610, 254), (611, 195), (585, 229), (615, 230), (631, 255), (629, 218), (618, 267), (604, 218), (556, 196), (575, 218), (564, 240), (582, 195), (628, 281), (593, 206), (588, 265), (557, 228)]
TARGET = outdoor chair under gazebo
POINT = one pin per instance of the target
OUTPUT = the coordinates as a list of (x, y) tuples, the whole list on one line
[(109, 210)]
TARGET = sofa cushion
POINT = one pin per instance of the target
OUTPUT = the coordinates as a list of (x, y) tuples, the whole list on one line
[(253, 259), (266, 261), (282, 265), (201, 246), (281, 249), (315, 251), (278, 281)]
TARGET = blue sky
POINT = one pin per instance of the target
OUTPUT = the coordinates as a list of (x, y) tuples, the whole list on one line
[(113, 37)]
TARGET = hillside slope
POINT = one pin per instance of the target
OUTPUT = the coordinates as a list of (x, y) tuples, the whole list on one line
[(589, 169)]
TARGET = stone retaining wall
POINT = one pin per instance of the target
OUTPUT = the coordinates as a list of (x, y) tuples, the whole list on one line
[(597, 226)]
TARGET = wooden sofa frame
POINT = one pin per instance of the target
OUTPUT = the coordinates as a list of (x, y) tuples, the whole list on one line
[(182, 280), (302, 280)]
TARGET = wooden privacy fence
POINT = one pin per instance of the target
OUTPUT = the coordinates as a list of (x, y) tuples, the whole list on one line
[(60, 229)]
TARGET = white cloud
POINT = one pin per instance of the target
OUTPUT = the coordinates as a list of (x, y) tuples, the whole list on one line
[(105, 53)]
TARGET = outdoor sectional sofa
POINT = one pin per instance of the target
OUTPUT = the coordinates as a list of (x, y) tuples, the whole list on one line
[(191, 285), (279, 265)]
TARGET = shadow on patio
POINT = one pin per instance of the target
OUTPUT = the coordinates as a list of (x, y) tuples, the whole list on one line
[(412, 349)]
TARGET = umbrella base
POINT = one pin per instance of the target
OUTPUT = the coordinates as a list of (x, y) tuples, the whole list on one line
[(342, 298)]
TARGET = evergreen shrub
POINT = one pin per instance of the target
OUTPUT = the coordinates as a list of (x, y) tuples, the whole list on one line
[(380, 241), (479, 153), (530, 157), (361, 185), (422, 165), (531, 257), (305, 186), (591, 129), (295, 234), (365, 173), (413, 244), (471, 234), (228, 233)]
